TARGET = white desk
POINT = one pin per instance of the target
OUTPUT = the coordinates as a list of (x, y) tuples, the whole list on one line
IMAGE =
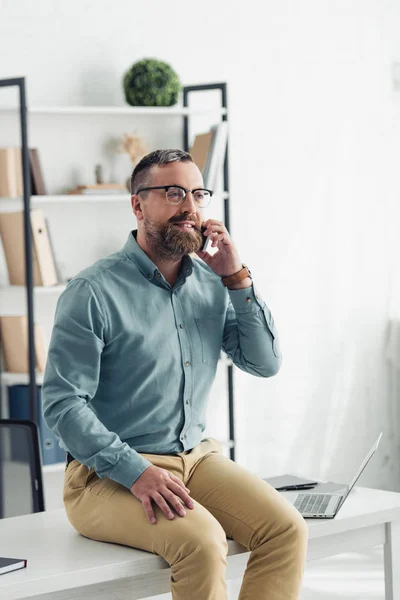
[(63, 565)]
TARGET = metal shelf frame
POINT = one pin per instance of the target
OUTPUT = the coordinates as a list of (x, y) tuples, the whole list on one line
[(19, 82), (224, 105)]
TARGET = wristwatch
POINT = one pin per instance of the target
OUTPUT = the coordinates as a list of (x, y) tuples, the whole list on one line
[(236, 277)]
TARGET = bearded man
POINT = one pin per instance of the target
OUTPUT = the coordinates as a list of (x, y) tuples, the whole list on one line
[(133, 354)]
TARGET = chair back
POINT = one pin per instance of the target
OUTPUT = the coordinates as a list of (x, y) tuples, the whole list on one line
[(21, 485)]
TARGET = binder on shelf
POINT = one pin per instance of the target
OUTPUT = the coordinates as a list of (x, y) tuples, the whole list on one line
[(12, 236), (10, 185), (11, 179), (208, 152), (201, 148), (14, 341), (18, 408)]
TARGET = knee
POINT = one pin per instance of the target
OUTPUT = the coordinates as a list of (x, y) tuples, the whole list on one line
[(207, 548), (289, 527), (297, 528)]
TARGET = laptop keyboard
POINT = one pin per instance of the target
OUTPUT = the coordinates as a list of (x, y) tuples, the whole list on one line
[(312, 503)]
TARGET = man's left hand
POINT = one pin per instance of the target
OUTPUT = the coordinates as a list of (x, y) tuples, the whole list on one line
[(226, 261)]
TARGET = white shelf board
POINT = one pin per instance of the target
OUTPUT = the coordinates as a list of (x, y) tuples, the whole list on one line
[(41, 289), (68, 198), (19, 378), (140, 111), (82, 198)]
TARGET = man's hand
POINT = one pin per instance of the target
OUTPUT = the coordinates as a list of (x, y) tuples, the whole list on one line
[(160, 485), (226, 261)]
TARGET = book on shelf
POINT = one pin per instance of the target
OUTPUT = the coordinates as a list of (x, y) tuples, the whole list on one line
[(11, 177), (208, 152), (38, 187), (11, 564), (14, 341), (12, 237), (100, 189)]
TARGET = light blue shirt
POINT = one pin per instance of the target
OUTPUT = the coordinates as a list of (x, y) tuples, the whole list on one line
[(132, 360)]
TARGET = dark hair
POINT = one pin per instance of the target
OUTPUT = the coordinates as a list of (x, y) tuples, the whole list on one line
[(140, 175)]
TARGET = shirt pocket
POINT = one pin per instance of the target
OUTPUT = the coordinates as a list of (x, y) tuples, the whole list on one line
[(210, 329)]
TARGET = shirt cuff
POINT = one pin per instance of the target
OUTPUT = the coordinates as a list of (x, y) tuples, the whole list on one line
[(246, 300), (129, 468)]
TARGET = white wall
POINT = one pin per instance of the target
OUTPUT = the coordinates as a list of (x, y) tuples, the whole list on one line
[(314, 145)]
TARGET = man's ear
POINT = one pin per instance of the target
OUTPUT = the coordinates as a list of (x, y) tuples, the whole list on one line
[(136, 206)]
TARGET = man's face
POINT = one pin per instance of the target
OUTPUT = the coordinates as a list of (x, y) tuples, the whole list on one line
[(171, 231)]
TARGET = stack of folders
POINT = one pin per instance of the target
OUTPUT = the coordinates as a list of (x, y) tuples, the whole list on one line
[(12, 237), (208, 152), (11, 185), (11, 564)]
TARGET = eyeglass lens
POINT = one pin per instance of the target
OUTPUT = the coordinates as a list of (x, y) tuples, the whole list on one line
[(177, 195)]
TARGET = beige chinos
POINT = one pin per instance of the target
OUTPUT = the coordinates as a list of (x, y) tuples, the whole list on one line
[(229, 502)]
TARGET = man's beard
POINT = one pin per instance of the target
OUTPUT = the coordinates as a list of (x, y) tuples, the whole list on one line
[(170, 242)]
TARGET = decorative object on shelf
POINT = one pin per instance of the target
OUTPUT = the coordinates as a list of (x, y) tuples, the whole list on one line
[(12, 237), (100, 189), (98, 171), (14, 337), (136, 148), (151, 82)]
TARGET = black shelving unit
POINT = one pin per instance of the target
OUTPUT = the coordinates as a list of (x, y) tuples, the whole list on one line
[(19, 82), (187, 90), (224, 104)]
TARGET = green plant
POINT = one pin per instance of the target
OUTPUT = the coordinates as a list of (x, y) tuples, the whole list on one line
[(151, 82)]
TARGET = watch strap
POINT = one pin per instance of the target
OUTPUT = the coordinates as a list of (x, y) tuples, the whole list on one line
[(236, 277)]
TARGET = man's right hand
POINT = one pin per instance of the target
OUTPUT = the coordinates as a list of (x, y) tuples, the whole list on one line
[(161, 486)]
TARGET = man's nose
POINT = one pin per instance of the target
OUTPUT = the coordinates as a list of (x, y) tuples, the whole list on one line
[(189, 203)]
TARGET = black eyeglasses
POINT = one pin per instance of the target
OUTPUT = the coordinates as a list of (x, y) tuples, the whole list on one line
[(176, 194)]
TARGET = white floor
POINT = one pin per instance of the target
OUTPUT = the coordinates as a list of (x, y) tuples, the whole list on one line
[(346, 576)]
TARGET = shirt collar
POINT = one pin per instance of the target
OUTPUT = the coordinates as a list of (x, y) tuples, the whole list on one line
[(145, 264)]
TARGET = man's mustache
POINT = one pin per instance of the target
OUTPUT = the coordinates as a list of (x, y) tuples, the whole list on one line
[(184, 217)]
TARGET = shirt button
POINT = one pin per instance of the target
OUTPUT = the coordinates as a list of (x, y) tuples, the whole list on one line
[(149, 275), (248, 299), (187, 401), (187, 363), (158, 275), (181, 326)]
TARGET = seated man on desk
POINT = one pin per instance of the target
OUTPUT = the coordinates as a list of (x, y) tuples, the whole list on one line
[(132, 358)]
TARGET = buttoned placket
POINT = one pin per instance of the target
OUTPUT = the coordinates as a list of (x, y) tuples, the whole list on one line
[(185, 343)]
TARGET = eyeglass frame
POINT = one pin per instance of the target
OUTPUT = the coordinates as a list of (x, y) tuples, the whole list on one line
[(166, 188)]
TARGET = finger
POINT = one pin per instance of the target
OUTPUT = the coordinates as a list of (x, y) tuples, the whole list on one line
[(175, 502), (215, 228), (179, 482), (148, 509), (166, 509), (179, 491)]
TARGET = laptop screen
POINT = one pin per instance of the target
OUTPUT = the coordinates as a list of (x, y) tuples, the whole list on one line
[(362, 467)]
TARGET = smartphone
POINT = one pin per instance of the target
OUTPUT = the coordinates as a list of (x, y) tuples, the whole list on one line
[(206, 239)]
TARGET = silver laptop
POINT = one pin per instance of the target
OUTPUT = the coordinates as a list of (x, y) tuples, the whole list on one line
[(325, 501)]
